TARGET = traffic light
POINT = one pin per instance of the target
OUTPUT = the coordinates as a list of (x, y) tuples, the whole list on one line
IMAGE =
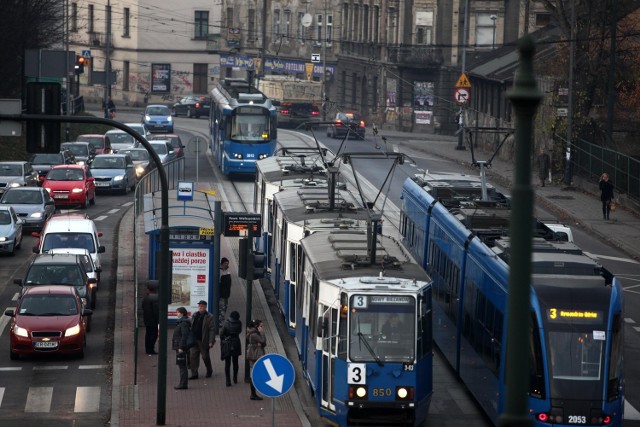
[(243, 254), (255, 266), (80, 61)]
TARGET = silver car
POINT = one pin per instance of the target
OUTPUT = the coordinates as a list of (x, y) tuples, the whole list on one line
[(164, 150), (10, 230), (32, 204), (17, 174)]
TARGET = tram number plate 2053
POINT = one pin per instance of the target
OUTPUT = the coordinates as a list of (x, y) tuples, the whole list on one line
[(577, 419)]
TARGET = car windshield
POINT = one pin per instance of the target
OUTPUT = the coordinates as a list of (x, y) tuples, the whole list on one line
[(48, 305), (68, 240), (5, 218), (160, 148), (19, 197), (66, 174), (45, 159), (158, 111), (10, 170), (78, 150), (95, 142), (138, 154), (120, 138), (108, 163), (249, 127), (54, 274)]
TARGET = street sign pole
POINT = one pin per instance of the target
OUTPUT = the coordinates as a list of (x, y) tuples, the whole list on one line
[(273, 375)]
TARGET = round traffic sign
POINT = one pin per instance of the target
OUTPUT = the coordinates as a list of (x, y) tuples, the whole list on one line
[(461, 96), (273, 375)]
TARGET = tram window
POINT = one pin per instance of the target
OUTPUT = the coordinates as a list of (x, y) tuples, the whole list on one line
[(615, 359), (575, 355)]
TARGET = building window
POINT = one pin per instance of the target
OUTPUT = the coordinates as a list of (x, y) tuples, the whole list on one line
[(485, 27), (125, 75), (356, 23), (200, 78), (354, 85), (201, 24), (74, 16), (543, 19), (251, 35), (90, 19), (376, 23), (287, 26), (300, 32), (319, 29), (424, 27), (392, 26), (276, 24), (329, 30), (365, 22), (346, 34), (127, 20), (230, 18)]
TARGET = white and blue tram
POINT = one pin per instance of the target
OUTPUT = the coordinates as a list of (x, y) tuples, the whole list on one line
[(576, 339), (243, 126), (361, 369), (296, 214)]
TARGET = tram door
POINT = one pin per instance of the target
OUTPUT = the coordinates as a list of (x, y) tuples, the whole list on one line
[(328, 334)]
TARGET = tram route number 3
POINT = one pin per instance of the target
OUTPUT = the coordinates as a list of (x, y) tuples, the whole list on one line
[(357, 373)]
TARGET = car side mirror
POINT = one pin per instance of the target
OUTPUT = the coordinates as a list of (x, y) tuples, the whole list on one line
[(9, 312), (36, 249), (101, 249), (18, 281), (87, 312), (98, 270)]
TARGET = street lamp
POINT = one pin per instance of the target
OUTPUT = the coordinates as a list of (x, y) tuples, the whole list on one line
[(493, 18)]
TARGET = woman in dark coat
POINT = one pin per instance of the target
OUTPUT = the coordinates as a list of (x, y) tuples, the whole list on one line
[(179, 344), (230, 338), (606, 194), (256, 342)]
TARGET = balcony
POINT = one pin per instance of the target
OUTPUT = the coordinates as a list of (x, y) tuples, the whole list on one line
[(99, 39), (365, 50)]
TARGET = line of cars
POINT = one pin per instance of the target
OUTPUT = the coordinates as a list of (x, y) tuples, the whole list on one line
[(59, 290)]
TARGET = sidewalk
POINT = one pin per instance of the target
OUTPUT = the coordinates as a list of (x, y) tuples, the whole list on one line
[(577, 206), (208, 401)]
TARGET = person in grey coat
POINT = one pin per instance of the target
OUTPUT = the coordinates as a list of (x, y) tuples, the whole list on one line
[(179, 344), (203, 327)]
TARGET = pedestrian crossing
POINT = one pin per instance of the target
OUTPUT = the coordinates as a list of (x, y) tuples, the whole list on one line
[(41, 399)]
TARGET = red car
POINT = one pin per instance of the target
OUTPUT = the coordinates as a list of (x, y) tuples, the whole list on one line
[(49, 319), (174, 139), (71, 185)]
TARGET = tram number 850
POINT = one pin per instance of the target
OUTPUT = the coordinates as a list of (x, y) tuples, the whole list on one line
[(381, 392)]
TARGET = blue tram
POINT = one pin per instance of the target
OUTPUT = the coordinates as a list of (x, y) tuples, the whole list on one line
[(364, 319), (243, 126), (576, 372)]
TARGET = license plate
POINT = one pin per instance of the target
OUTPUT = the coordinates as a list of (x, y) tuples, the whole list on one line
[(102, 184), (60, 196), (45, 344)]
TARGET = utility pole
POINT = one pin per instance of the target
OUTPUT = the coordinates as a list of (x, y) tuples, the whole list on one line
[(107, 64), (324, 65), (68, 79), (572, 54), (465, 37), (263, 48)]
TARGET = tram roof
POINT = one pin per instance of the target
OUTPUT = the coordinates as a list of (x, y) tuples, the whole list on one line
[(343, 254), (310, 206), (290, 169)]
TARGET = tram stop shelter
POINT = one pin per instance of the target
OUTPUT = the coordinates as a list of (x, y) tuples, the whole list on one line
[(191, 241)]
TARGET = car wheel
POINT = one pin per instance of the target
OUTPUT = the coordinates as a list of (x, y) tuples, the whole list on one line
[(328, 131), (189, 112), (13, 355), (88, 325), (93, 298), (126, 187), (80, 354), (85, 205), (13, 250), (93, 199)]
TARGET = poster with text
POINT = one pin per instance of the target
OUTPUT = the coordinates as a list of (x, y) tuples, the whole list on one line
[(190, 278), (160, 78)]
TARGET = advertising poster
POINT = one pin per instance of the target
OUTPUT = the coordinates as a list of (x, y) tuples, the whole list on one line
[(190, 278), (160, 77)]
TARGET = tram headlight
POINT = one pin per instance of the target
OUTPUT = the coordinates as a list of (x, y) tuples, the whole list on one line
[(262, 156), (237, 156), (358, 392), (404, 393)]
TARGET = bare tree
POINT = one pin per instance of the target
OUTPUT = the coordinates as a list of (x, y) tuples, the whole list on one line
[(26, 24)]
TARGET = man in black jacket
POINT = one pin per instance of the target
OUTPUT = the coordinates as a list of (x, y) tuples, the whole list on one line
[(202, 327), (151, 316)]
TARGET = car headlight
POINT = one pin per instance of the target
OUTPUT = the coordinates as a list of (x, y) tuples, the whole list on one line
[(80, 162), (36, 215), (48, 190), (147, 118), (13, 184), (237, 156), (139, 170), (21, 332), (3, 239), (169, 119), (77, 190), (118, 177), (74, 330)]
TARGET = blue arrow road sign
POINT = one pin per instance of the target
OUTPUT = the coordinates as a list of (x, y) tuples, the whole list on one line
[(273, 375)]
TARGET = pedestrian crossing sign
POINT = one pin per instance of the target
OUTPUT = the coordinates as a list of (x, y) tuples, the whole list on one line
[(86, 54), (463, 81)]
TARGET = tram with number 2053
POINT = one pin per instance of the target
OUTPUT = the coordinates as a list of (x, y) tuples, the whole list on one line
[(243, 126), (576, 326)]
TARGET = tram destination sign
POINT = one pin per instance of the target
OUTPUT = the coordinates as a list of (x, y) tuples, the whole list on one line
[(237, 224)]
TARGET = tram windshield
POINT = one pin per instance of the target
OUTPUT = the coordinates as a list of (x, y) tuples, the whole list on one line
[(576, 355), (382, 328), (250, 127)]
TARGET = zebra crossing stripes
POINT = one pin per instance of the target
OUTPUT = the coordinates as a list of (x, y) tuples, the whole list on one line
[(39, 399)]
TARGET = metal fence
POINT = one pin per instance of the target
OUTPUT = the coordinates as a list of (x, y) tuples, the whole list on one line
[(591, 160), (150, 183)]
